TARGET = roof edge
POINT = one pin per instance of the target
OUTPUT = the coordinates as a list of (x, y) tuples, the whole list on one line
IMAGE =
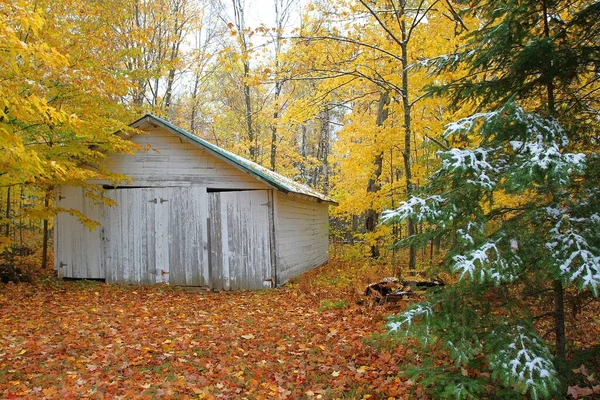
[(236, 161)]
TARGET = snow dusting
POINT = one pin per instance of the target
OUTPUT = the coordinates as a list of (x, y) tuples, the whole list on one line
[(527, 361), (466, 124), (486, 262), (421, 209), (475, 161), (406, 319), (576, 259)]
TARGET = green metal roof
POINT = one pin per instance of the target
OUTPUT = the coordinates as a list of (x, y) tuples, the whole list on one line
[(259, 172)]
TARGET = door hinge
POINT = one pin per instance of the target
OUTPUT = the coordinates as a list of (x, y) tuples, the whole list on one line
[(268, 203), (153, 201), (163, 200), (61, 197), (62, 265)]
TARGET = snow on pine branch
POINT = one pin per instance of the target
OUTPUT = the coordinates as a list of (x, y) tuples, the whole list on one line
[(434, 64), (546, 155), (538, 144), (432, 208), (465, 235), (475, 161), (525, 363), (575, 258), (487, 263), (406, 319), (465, 125)]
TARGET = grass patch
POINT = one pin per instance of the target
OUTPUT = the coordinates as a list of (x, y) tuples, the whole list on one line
[(332, 305)]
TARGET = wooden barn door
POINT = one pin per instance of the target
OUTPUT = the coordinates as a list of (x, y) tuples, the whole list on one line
[(188, 251), (240, 240), (77, 250), (135, 238), (155, 235)]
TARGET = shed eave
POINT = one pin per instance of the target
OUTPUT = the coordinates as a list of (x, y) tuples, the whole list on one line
[(236, 161)]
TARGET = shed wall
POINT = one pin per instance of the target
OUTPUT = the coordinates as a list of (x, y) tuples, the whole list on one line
[(302, 235), (78, 251), (171, 161), (301, 225)]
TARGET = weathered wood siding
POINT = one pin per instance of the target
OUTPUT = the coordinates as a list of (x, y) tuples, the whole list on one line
[(77, 250), (188, 236), (130, 236), (174, 225), (302, 235), (240, 248), (157, 235), (171, 161)]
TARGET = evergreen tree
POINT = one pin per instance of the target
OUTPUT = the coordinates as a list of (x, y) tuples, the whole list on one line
[(518, 195)]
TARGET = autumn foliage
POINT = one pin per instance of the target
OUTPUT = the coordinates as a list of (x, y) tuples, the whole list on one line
[(92, 340)]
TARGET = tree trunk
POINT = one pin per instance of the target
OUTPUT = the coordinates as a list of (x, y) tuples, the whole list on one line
[(410, 224), (373, 186), (248, 114), (240, 24), (45, 233), (559, 300), (559, 321), (194, 103), (7, 214), (303, 152), (320, 174), (278, 86)]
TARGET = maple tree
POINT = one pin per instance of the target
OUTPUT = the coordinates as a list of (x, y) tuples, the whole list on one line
[(58, 92), (355, 59)]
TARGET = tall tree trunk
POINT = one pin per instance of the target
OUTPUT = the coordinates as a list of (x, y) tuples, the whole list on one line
[(7, 214), (303, 152), (178, 32), (194, 103), (45, 233), (410, 224), (373, 186), (559, 318), (278, 86), (320, 175), (240, 24), (248, 114), (281, 14), (559, 300)]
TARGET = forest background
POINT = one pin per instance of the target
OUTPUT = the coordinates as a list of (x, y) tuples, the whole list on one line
[(477, 122), (322, 93)]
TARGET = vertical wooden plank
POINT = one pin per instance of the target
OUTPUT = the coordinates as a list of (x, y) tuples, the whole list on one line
[(187, 244), (273, 227), (93, 260), (108, 238), (148, 215), (161, 234), (135, 218), (205, 235), (226, 211), (125, 267), (216, 242), (242, 252)]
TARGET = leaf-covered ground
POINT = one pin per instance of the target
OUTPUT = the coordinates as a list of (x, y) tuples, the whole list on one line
[(93, 340)]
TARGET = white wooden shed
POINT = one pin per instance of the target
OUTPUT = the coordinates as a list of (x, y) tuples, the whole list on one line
[(194, 215)]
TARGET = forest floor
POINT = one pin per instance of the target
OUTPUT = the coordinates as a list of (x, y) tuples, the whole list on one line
[(94, 340), (314, 338)]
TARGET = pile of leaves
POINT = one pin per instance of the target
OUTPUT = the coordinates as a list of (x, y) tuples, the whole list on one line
[(94, 340)]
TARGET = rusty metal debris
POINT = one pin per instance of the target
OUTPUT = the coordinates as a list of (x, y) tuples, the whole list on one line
[(392, 289)]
